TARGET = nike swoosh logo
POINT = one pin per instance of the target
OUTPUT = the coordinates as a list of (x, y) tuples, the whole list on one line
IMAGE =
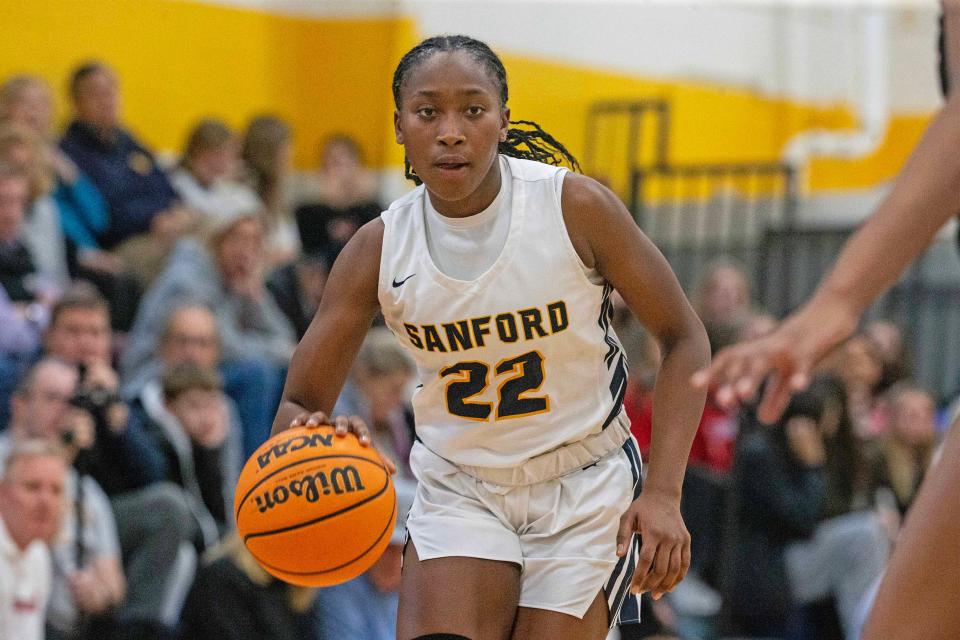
[(397, 284)]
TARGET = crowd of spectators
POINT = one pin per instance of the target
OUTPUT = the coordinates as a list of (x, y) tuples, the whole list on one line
[(792, 523), (148, 311)]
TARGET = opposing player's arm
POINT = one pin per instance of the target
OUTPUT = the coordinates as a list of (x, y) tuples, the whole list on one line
[(323, 358), (606, 237), (925, 195)]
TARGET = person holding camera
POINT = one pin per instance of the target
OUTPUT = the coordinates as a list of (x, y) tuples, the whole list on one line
[(155, 525), (88, 580), (121, 457)]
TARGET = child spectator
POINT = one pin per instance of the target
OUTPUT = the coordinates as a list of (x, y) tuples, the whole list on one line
[(189, 427)]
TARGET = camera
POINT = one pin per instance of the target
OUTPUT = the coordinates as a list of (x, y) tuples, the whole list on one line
[(95, 400)]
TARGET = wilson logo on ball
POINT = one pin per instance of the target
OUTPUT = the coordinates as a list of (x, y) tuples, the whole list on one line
[(339, 481)]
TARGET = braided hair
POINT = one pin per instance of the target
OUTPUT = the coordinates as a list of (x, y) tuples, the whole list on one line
[(527, 140)]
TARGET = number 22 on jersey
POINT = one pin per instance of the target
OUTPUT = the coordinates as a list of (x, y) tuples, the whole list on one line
[(517, 377)]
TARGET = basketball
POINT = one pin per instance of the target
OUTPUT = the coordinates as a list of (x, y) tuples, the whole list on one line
[(315, 509)]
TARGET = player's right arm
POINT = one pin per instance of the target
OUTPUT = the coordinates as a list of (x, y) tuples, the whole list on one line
[(323, 358), (924, 197)]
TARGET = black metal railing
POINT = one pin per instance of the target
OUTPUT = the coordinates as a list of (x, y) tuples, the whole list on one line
[(746, 212), (697, 214), (624, 135)]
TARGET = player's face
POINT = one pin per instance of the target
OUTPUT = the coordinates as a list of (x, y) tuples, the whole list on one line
[(450, 122)]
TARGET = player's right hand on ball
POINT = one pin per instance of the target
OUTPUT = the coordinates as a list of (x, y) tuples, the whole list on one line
[(342, 426)]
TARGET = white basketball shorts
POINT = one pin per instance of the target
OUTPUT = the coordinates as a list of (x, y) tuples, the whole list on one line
[(560, 531)]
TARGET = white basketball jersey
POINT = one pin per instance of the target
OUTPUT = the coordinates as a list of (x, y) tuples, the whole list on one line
[(518, 361)]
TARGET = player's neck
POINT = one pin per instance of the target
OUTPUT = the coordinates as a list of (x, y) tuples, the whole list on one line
[(481, 198)]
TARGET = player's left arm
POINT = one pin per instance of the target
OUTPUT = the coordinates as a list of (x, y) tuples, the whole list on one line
[(606, 237)]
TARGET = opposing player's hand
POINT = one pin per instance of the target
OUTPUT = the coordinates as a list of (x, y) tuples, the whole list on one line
[(785, 359), (665, 543), (342, 426)]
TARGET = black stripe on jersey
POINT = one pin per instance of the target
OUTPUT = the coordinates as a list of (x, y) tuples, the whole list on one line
[(636, 465), (606, 316), (618, 389)]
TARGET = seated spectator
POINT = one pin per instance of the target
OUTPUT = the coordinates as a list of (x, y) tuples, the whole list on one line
[(88, 581), (204, 178), (23, 150), (24, 306), (153, 516), (859, 364), (79, 334), (189, 425), (268, 158), (783, 553), (233, 598), (713, 444), (27, 101), (377, 391), (845, 467), (144, 211), (297, 288), (25, 309), (190, 337), (31, 508), (365, 608), (224, 273), (888, 338), (336, 200), (75, 204), (905, 453), (20, 261), (723, 295)]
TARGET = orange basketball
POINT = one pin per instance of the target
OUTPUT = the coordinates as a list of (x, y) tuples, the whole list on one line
[(314, 509)]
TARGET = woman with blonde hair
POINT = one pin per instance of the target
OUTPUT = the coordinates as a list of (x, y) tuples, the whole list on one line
[(42, 234), (71, 214)]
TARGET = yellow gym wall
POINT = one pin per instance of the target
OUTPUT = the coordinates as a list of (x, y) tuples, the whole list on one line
[(179, 61)]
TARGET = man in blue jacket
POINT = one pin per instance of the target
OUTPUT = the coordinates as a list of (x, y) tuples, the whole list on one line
[(138, 194)]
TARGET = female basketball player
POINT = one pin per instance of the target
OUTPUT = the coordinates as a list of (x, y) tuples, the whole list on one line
[(918, 597), (496, 276)]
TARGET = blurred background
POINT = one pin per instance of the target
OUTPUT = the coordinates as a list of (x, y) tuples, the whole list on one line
[(177, 177)]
